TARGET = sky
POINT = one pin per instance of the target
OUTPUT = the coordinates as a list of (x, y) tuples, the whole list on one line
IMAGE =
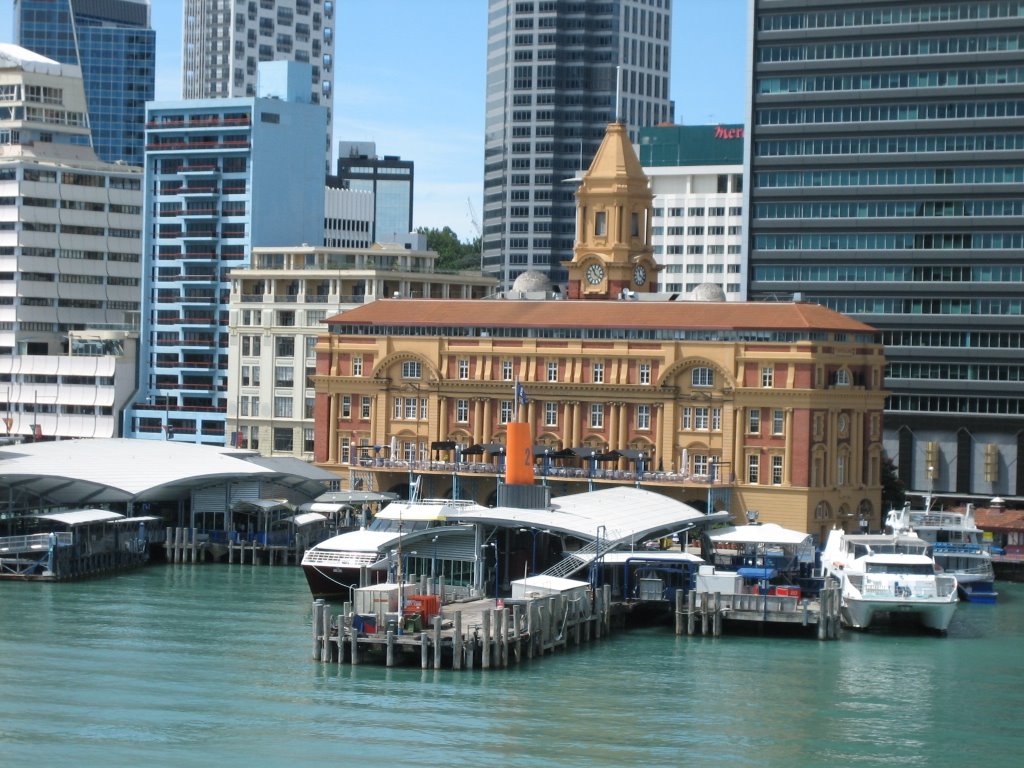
[(410, 76)]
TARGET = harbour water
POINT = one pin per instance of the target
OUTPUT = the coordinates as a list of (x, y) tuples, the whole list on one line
[(211, 665)]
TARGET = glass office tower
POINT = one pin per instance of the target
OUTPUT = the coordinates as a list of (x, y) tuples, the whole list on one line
[(113, 44), (886, 162), (553, 69)]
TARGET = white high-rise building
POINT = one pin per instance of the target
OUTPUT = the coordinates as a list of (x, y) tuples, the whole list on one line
[(696, 174), (70, 228), (223, 41)]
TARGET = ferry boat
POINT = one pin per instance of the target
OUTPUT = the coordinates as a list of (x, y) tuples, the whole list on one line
[(889, 575), (334, 567), (956, 547)]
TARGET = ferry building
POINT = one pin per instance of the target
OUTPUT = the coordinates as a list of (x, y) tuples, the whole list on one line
[(774, 408)]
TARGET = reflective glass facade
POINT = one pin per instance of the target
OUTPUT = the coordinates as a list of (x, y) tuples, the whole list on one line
[(885, 168), (115, 47), (390, 179), (551, 88)]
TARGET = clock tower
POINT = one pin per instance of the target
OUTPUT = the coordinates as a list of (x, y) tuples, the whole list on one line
[(613, 224)]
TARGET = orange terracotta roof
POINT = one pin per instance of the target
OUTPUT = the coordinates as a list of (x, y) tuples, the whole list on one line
[(600, 314), (991, 519)]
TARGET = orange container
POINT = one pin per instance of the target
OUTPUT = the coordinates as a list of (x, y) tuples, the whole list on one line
[(429, 606)]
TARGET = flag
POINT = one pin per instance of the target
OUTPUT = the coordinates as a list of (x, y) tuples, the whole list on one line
[(520, 393)]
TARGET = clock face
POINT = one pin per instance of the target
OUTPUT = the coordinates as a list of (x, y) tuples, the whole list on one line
[(595, 274), (639, 275)]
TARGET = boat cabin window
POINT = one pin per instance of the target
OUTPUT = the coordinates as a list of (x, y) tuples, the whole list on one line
[(899, 569), (407, 526)]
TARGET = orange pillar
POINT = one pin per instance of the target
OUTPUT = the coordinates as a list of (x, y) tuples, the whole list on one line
[(519, 454)]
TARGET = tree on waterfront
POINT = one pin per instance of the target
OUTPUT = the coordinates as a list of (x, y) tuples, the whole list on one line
[(894, 492), (452, 253)]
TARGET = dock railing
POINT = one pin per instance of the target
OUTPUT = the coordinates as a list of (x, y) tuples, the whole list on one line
[(35, 542)]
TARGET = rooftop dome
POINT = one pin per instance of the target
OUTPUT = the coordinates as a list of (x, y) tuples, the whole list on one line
[(708, 292), (532, 281)]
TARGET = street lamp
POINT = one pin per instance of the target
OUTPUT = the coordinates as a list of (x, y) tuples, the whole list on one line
[(433, 564), (497, 568), (533, 547)]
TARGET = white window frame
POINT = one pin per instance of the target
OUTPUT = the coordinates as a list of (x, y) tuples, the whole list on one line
[(776, 469), (463, 369), (768, 376), (552, 371), (753, 468), (645, 373), (754, 421), (550, 414), (778, 421), (505, 412), (597, 415), (700, 418), (702, 377), (597, 373), (506, 370), (462, 411), (411, 369), (643, 417)]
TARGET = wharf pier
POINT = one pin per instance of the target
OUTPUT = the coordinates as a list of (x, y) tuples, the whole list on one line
[(707, 611), (488, 633), (475, 634)]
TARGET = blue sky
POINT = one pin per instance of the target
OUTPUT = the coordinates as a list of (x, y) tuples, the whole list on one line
[(410, 76)]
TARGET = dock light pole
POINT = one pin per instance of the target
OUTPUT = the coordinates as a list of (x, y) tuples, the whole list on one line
[(497, 568), (433, 564)]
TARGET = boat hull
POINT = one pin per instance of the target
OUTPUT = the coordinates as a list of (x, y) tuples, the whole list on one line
[(862, 613), (978, 592), (331, 582)]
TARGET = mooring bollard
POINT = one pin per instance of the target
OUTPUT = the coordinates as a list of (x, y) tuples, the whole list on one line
[(317, 628), (458, 645), (485, 641), (437, 642), (679, 612)]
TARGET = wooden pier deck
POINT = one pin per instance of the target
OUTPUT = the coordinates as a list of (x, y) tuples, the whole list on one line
[(483, 634), (475, 634)]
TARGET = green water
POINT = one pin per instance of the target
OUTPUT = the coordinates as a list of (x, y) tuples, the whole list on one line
[(211, 666)]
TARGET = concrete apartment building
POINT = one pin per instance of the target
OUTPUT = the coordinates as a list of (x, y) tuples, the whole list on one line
[(554, 70), (224, 41), (70, 229), (885, 170), (115, 47), (223, 176), (696, 174), (278, 308)]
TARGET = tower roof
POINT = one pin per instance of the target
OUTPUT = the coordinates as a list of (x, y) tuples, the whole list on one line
[(615, 166)]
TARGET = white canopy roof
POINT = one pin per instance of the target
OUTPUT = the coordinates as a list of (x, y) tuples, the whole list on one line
[(81, 516), (623, 514), (305, 518), (76, 472), (768, 533)]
